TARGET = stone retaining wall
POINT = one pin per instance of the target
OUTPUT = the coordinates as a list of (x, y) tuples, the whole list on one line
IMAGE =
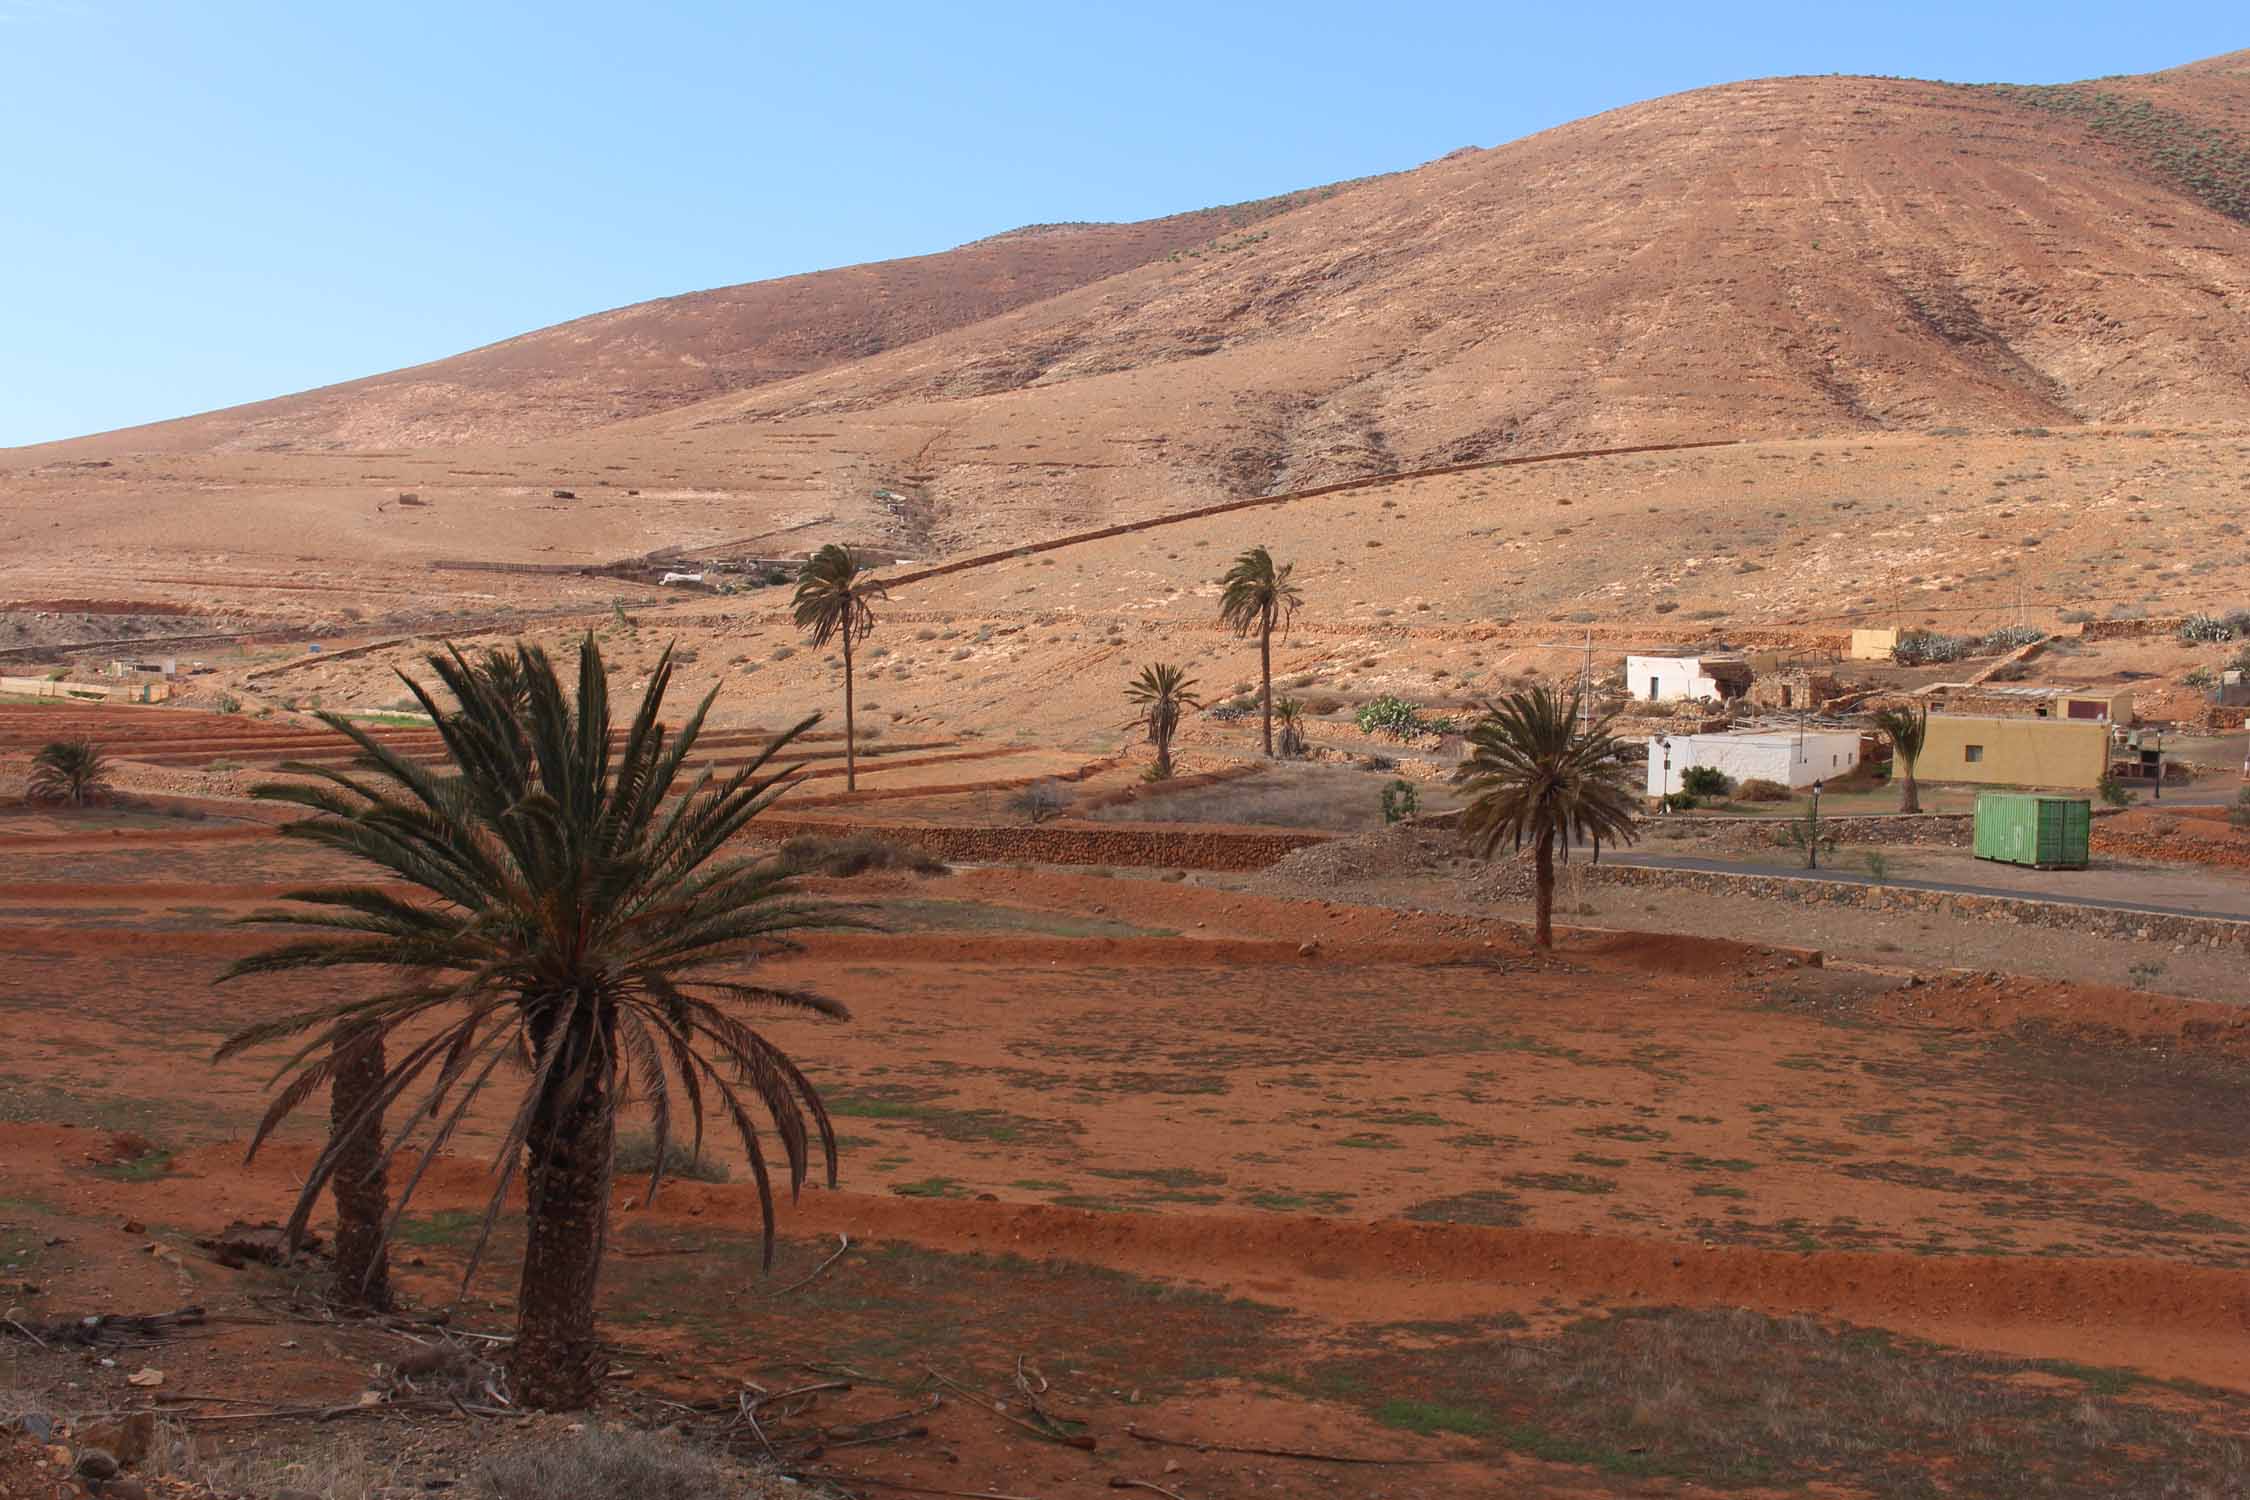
[(1065, 843), (2147, 927)]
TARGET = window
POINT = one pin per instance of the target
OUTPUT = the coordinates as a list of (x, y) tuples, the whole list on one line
[(1972, 753)]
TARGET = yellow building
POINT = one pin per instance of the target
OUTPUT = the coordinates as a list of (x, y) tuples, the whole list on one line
[(1873, 645), (1996, 751)]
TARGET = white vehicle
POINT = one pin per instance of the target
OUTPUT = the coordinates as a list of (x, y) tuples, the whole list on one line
[(680, 578)]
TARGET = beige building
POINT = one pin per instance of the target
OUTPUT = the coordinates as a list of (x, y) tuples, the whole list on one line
[(2013, 751), (2113, 704), (1874, 645)]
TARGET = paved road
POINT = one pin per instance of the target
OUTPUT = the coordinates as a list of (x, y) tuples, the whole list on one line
[(1854, 877)]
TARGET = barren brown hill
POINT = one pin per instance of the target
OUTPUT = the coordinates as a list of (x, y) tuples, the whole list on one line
[(1775, 260), (651, 356)]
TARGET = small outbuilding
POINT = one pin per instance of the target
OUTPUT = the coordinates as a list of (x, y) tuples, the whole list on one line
[(1664, 678), (1793, 757)]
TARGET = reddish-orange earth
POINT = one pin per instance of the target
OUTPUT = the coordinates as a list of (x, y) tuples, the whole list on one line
[(1358, 1119)]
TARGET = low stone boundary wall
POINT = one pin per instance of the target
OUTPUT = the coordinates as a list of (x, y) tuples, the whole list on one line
[(1062, 843), (2147, 927)]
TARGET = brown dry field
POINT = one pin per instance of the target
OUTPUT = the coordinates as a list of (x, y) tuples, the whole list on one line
[(1384, 1197)]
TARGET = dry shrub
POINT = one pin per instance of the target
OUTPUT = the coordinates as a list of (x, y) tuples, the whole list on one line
[(636, 1157), (854, 854), (1761, 789), (612, 1463), (336, 1468)]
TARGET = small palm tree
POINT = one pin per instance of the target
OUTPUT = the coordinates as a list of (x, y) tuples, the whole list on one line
[(1536, 772), (1907, 729), (1165, 693), (581, 924), (1289, 713), (834, 601), (1259, 597), (72, 772)]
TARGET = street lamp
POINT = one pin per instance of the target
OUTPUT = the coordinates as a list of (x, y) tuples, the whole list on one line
[(1664, 787), (1812, 834)]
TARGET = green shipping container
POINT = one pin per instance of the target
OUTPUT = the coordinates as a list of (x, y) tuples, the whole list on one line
[(2023, 828)]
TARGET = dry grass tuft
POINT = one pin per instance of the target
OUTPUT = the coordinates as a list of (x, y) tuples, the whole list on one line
[(614, 1463)]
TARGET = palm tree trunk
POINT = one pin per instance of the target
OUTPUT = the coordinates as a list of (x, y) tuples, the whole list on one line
[(1910, 799), (360, 1183), (851, 750), (1265, 675), (1543, 901), (557, 1362)]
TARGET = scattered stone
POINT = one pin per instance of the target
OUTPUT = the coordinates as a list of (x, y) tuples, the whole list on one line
[(129, 1438), (95, 1464), (36, 1425), (1307, 948)]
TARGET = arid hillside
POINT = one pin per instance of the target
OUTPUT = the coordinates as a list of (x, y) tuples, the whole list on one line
[(652, 356), (1773, 261)]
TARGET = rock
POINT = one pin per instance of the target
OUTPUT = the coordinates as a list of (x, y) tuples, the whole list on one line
[(36, 1425), (1307, 948), (95, 1464), (129, 1438), (134, 1226), (124, 1487)]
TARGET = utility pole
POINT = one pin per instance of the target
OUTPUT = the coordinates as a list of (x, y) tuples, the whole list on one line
[(1585, 678)]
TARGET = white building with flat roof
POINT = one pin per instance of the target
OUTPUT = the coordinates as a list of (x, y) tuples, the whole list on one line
[(1660, 679), (1793, 757)]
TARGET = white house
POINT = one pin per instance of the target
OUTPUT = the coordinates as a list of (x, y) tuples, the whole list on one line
[(1792, 757), (1659, 679)]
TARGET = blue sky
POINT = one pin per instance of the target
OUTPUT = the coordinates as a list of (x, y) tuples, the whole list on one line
[(203, 203)]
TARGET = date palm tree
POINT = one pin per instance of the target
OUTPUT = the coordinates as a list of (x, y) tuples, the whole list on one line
[(72, 772), (1259, 597), (1165, 693), (834, 601), (1907, 729), (1289, 713), (1536, 771), (579, 923)]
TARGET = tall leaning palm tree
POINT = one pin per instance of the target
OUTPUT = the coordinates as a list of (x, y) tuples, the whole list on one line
[(1258, 597), (1164, 693), (1907, 729), (1535, 771), (580, 923), (835, 595)]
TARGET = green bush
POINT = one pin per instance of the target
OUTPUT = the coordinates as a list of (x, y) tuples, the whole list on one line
[(2239, 814), (2113, 792), (1705, 781), (1761, 789), (1391, 716), (1400, 800), (854, 854), (2205, 629)]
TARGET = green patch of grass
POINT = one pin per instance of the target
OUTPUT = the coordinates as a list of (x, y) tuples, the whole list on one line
[(1169, 1177), (1720, 1190), (446, 1228), (1561, 1182), (146, 1167), (1730, 1399), (919, 1109), (1588, 1159), (1371, 1140), (1694, 1163), (1623, 1132), (931, 1187), (1486, 1206), (1431, 1417), (1040, 1185), (1294, 1203)]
